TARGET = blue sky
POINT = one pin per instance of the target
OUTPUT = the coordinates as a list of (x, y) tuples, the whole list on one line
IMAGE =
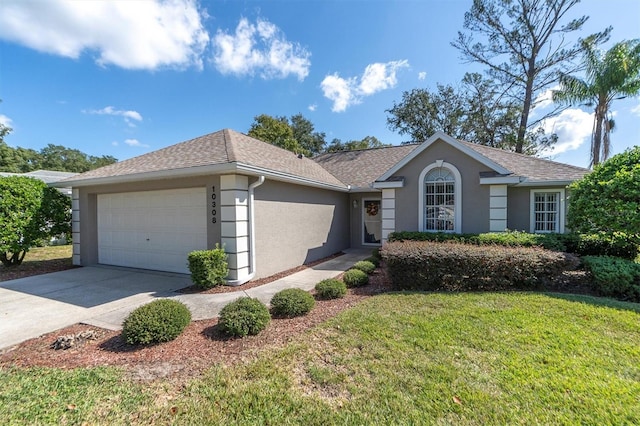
[(125, 78)]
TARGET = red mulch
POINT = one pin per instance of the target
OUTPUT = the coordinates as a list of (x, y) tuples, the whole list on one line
[(200, 346)]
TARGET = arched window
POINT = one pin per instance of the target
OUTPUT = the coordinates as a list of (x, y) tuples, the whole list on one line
[(440, 198)]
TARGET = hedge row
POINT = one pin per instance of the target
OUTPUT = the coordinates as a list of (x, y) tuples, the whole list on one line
[(453, 266), (613, 244), (615, 277)]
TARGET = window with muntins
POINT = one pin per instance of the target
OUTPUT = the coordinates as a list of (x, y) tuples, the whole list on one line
[(439, 199), (546, 211)]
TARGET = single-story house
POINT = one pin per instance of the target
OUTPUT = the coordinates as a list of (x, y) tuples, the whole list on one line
[(272, 210)]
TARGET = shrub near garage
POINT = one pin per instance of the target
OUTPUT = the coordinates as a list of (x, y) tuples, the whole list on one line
[(419, 265), (208, 268), (159, 321), (331, 289), (245, 316), (292, 302)]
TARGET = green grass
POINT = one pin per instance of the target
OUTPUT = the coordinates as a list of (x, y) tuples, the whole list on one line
[(51, 396), (405, 358)]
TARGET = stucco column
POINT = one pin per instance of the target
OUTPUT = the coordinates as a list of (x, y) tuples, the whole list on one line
[(388, 213), (234, 218), (497, 208), (75, 225)]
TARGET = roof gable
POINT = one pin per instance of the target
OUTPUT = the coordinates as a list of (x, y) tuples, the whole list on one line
[(455, 144)]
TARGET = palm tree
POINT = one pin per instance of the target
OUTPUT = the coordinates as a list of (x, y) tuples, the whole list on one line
[(610, 75)]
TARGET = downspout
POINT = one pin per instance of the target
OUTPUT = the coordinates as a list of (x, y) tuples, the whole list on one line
[(252, 237)]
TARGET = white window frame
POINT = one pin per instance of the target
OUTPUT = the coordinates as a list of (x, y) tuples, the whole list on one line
[(363, 215), (561, 209), (457, 197)]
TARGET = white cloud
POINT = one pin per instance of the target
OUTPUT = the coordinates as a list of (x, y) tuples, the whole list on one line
[(312, 107), (260, 48), (346, 92), (636, 110), (422, 75), (131, 35), (340, 91), (135, 143), (115, 143), (573, 127), (5, 121), (109, 110)]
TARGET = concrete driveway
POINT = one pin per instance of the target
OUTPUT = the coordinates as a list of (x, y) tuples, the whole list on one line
[(96, 295), (103, 296)]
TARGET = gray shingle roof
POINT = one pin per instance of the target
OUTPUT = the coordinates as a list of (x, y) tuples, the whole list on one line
[(358, 169), (534, 168), (362, 167), (222, 147)]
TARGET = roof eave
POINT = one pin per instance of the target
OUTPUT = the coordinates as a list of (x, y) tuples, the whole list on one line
[(287, 177), (199, 171), (501, 180), (147, 176), (564, 182)]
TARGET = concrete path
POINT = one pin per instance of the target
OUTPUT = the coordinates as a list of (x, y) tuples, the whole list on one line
[(104, 296)]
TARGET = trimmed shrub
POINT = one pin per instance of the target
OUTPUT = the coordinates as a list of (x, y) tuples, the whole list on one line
[(292, 302), (244, 316), (615, 277), (355, 278), (451, 266), (208, 267), (331, 289), (374, 260), (159, 321), (599, 244), (365, 266), (616, 244), (508, 239)]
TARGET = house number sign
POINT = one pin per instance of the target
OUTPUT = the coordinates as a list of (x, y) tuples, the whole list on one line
[(214, 205)]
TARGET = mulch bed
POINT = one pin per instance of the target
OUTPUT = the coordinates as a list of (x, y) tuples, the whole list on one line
[(200, 346), (35, 268)]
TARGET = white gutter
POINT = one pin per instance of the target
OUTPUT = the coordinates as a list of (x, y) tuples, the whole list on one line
[(252, 236)]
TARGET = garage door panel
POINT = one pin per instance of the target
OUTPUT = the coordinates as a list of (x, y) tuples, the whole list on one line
[(152, 229)]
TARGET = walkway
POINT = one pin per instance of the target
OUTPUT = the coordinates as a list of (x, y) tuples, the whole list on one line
[(103, 296)]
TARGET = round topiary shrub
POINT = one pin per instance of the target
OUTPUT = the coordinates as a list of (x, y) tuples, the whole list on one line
[(365, 266), (245, 316), (159, 321), (331, 289), (355, 278), (292, 302)]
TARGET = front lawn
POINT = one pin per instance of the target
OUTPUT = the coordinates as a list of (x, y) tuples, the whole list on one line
[(403, 358), (39, 260)]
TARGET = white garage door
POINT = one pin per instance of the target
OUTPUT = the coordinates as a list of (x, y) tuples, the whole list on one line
[(152, 229)]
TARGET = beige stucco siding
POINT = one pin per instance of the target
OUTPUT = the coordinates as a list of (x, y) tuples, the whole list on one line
[(475, 197), (297, 224)]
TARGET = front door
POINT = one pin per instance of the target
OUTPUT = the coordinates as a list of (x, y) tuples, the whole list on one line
[(371, 222)]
